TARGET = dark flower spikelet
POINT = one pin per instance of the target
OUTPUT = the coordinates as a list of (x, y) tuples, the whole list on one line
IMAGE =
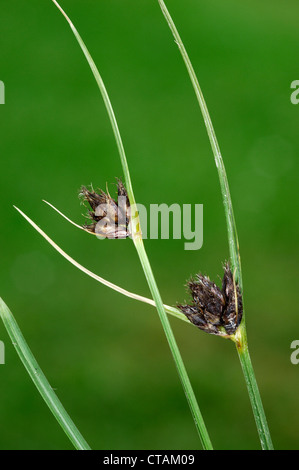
[(214, 310), (110, 218), (232, 314)]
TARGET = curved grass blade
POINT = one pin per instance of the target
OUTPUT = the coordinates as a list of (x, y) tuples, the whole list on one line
[(240, 336), (137, 239), (228, 207), (170, 310), (40, 380), (107, 103)]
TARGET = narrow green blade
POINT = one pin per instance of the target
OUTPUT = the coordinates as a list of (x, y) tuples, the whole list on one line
[(39, 379)]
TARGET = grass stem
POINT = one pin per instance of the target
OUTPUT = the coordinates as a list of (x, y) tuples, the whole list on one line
[(253, 391), (170, 310), (199, 422), (39, 379), (137, 238)]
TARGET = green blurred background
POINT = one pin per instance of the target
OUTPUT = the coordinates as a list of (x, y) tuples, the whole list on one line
[(106, 355)]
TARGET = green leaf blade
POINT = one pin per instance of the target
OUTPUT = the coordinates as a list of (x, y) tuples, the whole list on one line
[(39, 379)]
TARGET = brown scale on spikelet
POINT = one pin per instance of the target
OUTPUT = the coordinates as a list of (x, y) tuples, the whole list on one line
[(214, 310), (110, 218)]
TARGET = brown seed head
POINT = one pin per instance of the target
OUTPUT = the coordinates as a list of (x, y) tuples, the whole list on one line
[(214, 310), (110, 218)]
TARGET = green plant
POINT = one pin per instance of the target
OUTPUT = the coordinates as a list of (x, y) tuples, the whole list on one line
[(138, 242), (39, 379), (239, 337)]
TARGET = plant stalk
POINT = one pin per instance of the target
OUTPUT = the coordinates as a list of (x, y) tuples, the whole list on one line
[(40, 380), (242, 347), (253, 390), (199, 422), (138, 242)]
